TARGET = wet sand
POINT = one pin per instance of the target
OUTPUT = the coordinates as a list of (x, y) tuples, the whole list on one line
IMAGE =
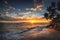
[(26, 31)]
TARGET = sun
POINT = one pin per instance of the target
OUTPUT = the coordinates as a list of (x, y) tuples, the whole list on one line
[(32, 21)]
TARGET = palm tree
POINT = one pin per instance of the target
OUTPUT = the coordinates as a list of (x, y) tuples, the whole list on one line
[(53, 15)]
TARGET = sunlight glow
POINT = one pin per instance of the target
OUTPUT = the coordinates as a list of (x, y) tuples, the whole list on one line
[(32, 21), (38, 21)]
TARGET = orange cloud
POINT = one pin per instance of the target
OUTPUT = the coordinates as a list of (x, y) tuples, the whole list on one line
[(26, 13), (33, 9), (29, 12), (38, 7)]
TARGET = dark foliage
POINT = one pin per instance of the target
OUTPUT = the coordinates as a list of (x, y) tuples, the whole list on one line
[(53, 15)]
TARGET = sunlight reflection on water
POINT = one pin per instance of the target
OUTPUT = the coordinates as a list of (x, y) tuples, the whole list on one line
[(19, 30)]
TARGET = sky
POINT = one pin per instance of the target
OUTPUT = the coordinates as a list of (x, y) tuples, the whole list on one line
[(25, 8)]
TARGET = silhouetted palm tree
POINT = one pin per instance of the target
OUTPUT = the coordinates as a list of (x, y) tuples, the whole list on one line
[(58, 5), (53, 15)]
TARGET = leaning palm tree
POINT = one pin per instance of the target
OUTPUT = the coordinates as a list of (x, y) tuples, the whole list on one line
[(54, 15)]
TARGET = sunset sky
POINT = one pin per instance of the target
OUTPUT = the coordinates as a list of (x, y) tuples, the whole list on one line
[(25, 8)]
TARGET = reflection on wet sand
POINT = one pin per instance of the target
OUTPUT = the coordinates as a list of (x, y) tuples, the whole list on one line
[(45, 34), (25, 31)]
